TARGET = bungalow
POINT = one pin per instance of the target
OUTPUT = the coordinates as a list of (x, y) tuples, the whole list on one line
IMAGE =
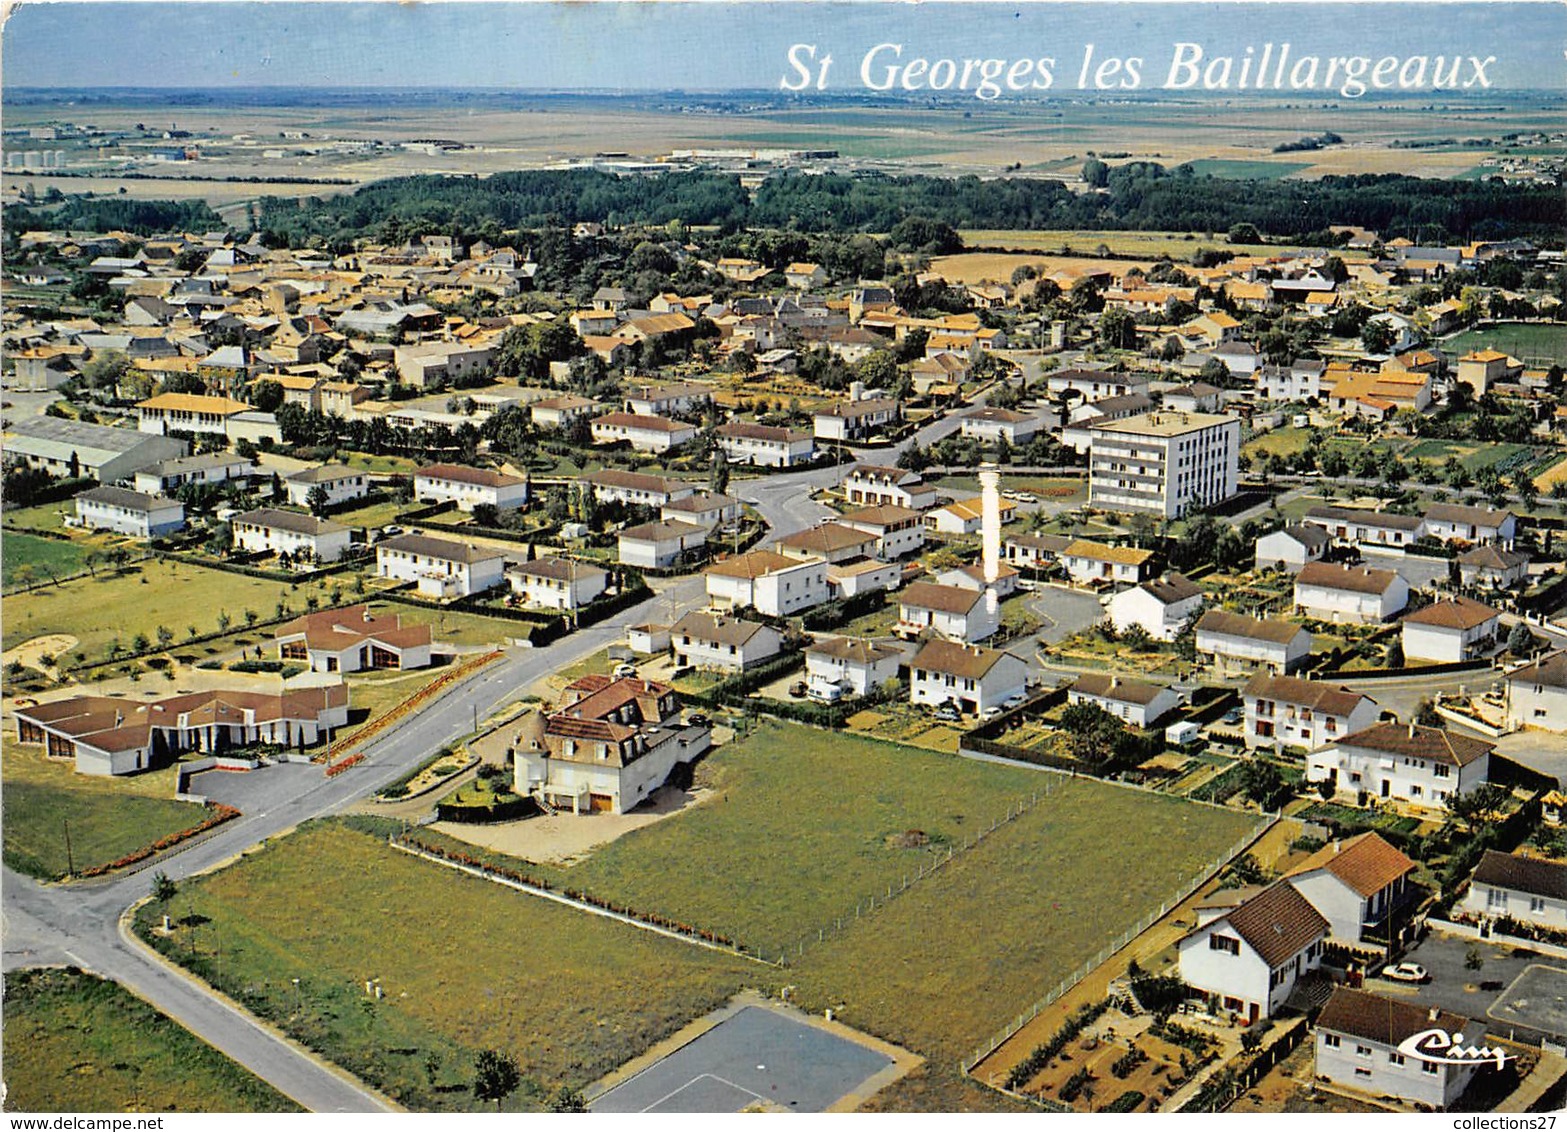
[(898, 531), (660, 545), (1537, 694), (301, 537), (1034, 552), (128, 512), (1423, 766), (972, 678), (1137, 703), (1356, 595), (665, 400), (853, 666), (966, 516), (709, 640), (856, 420), (862, 575), (1452, 523), (1161, 606), (947, 611), (561, 412), (187, 412), (1450, 630), (339, 482), (1093, 563), (765, 446), (1292, 548), (1356, 884), (352, 639), (1490, 565), (972, 577), (1198, 397), (643, 433), (611, 486), (769, 582), (1235, 640), (213, 467), (556, 583), (990, 426), (440, 568), (1526, 889), (1363, 1043), (1286, 711), (468, 487), (705, 509), (872, 485), (1093, 384), (1246, 959), (829, 542), (1375, 529)]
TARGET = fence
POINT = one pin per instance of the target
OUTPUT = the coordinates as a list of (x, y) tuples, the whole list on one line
[(423, 695), (1001, 1037)]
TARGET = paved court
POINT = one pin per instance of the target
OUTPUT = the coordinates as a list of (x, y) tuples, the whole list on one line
[(1537, 999), (756, 1056)]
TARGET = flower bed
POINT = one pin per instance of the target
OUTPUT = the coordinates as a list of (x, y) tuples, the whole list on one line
[(220, 814)]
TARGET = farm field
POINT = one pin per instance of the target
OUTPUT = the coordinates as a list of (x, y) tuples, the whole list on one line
[(1243, 170), (42, 557), (1150, 245), (465, 965), (1526, 341), (78, 1043)]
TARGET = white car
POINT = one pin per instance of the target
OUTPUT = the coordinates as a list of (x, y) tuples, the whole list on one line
[(622, 670), (1014, 702), (1406, 973)]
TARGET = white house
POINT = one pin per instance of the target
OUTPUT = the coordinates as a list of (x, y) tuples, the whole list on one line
[(643, 433), (1135, 701), (1359, 527), (862, 575), (1361, 1045), (611, 486), (1246, 959), (970, 677), (1034, 552), (1237, 641), (1358, 595), (1094, 563), (1453, 523), (1292, 548), (340, 483), (468, 487), (870, 485), (965, 516), (1491, 566), (951, 612), (831, 542), (771, 583), (1406, 762), (856, 420), (989, 425), (765, 446), (1537, 694), (556, 583), (1526, 889), (1356, 884), (1286, 711), (187, 412), (1161, 606), (707, 640), (440, 568), (899, 531), (662, 400), (352, 639), (128, 512), (267, 530), (1450, 630), (972, 577), (210, 467), (852, 665), (705, 509), (658, 546), (563, 411)]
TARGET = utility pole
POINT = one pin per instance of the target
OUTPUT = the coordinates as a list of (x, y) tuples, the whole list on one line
[(70, 858)]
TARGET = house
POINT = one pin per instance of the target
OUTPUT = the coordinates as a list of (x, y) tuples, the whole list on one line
[(1286, 711), (433, 365), (765, 446), (208, 468), (1358, 595), (187, 412), (1490, 565), (1077, 431), (804, 276), (71, 448), (966, 516), (607, 748), (1526, 889), (1365, 1042), (1450, 630), (643, 433), (828, 542), (862, 575), (711, 640), (1094, 385), (851, 665), (705, 509), (561, 412), (856, 420), (666, 400), (898, 531), (1234, 640), (972, 577), (468, 487), (1452, 523), (340, 483), (1374, 529), (1090, 563), (1537, 694), (773, 584), (611, 486), (1198, 397), (556, 583), (440, 568), (1481, 369), (1161, 606), (1034, 552), (972, 678), (109, 735), (1301, 380), (950, 612), (1423, 766), (1292, 548), (1357, 884), (352, 639), (1246, 959), (989, 425), (872, 485), (131, 513), (1136, 702), (659, 545), (301, 537), (1164, 463)]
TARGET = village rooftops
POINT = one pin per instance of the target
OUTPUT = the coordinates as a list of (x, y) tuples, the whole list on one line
[(881, 515), (849, 410), (1384, 519), (1101, 552), (634, 481), (1468, 516), (1385, 1021), (753, 564), (1453, 613), (1414, 741), (1309, 535), (1278, 923), (326, 473), (1330, 699), (1227, 624), (826, 538), (942, 599), (853, 649), (661, 530), (1549, 671), (745, 430), (194, 403), (967, 662), (1365, 863), (273, 519), (556, 569), (641, 422), (1354, 579), (122, 497), (1489, 556), (1173, 588), (714, 629)]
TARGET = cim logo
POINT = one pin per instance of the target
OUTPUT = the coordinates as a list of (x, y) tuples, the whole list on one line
[(1437, 1045)]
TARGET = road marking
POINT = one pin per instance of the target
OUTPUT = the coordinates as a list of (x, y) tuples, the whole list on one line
[(693, 1081)]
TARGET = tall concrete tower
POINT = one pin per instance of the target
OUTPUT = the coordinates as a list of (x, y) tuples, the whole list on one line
[(990, 531)]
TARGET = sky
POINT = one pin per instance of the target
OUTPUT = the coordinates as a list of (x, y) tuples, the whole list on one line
[(741, 44)]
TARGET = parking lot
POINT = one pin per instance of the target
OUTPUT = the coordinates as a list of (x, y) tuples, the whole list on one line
[(255, 791), (1518, 994)]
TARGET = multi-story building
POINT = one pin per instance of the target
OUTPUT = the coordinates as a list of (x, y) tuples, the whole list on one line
[(468, 487), (1423, 766), (1537, 694), (129, 512), (1361, 1044), (1286, 711), (340, 483), (268, 530), (765, 446), (439, 567), (771, 583), (1163, 463)]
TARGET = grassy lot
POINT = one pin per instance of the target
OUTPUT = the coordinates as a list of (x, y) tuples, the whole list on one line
[(381, 464), (1051, 488), (78, 1043), (44, 517), (1247, 170), (457, 628), (372, 695), (1278, 442), (1176, 245), (43, 555), (372, 515), (465, 965), (1524, 340)]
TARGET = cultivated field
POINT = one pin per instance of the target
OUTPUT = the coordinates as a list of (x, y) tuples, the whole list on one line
[(77, 1043), (1143, 245)]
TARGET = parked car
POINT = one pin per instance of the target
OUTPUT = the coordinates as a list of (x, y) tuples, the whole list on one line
[(1026, 497), (1233, 716), (825, 693), (1406, 973), (1016, 701), (699, 719), (990, 713), (624, 670), (797, 689), (388, 532), (946, 713)]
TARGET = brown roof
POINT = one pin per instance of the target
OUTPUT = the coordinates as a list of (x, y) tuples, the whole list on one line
[(1278, 923), (882, 515), (1366, 863), (1470, 516), (1173, 588), (274, 519), (461, 473), (1252, 628), (1386, 1021), (1356, 579), (560, 569), (1522, 874), (762, 432), (1548, 670), (661, 531), (1489, 556), (1103, 686), (1365, 517), (1419, 742), (943, 599), (632, 481), (827, 538), (1453, 613), (443, 549), (717, 630), (1099, 552), (970, 662), (643, 422), (1333, 699), (853, 649), (753, 564)]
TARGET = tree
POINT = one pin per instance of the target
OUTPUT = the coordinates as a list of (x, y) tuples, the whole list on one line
[(163, 889), (566, 1099), (1118, 329), (1520, 640), (105, 371), (1479, 807), (266, 396), (495, 1076), (486, 515), (251, 617), (1096, 173), (1244, 233), (1376, 337), (1473, 958), (224, 621), (1264, 784), (165, 636), (316, 499)]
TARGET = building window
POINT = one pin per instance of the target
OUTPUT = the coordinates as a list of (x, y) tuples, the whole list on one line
[(1362, 1051), (1536, 903), (1224, 943), (1495, 898), (1395, 1058), (1430, 1067), (1330, 1040)]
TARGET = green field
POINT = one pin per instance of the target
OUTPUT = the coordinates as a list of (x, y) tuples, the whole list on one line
[(44, 517), (44, 556), (1151, 245), (464, 965), (1527, 341), (77, 1043), (1247, 170)]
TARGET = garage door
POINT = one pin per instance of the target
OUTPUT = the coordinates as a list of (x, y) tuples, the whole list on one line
[(600, 804)]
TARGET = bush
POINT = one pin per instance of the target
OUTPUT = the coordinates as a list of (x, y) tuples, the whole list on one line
[(1126, 1102), (1043, 1055), (1075, 1084), (1127, 1062)]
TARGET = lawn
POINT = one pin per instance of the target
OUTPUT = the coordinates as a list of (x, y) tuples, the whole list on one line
[(369, 516), (386, 465), (457, 628), (1279, 442), (1527, 341), (44, 517), (1236, 170), (78, 1043), (464, 965), (45, 556)]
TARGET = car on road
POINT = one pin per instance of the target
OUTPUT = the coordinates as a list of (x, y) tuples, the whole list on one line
[(1025, 497), (1406, 973), (621, 670), (388, 532), (1015, 496)]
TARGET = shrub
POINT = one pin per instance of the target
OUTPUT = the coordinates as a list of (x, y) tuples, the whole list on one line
[(1075, 1084), (1126, 1102), (1127, 1062)]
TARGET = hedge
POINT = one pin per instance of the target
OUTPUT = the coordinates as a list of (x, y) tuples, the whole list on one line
[(1042, 1055), (844, 610), (502, 809), (1126, 1102)]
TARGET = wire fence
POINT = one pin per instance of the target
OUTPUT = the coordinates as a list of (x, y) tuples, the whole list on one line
[(1001, 1037)]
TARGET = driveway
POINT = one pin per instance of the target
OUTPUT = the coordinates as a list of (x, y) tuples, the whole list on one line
[(1065, 612), (1483, 994), (1418, 571), (1538, 750), (257, 791)]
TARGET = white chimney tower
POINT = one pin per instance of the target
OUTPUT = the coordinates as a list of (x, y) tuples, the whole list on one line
[(990, 531)]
